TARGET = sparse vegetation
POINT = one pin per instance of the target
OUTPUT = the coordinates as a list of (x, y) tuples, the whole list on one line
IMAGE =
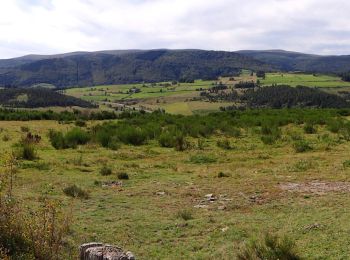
[(76, 192), (105, 171), (123, 176), (270, 247)]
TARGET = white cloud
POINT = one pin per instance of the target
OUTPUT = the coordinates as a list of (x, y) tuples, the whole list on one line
[(54, 26)]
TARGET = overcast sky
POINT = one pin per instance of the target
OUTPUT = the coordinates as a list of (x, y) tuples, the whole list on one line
[(56, 26)]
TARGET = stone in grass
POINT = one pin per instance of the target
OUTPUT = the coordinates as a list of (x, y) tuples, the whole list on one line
[(100, 251)]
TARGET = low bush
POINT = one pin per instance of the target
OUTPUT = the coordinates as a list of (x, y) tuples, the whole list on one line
[(302, 146), (202, 159), (224, 144), (6, 138), (269, 139), (223, 175), (80, 123), (76, 192), (309, 129), (27, 151), (270, 247), (123, 176), (24, 129), (185, 214), (105, 171), (71, 139)]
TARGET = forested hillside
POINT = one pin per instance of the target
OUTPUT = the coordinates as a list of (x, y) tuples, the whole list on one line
[(38, 97), (294, 61), (101, 68)]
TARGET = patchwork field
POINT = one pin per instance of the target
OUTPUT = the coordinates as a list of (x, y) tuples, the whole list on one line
[(201, 203), (183, 98)]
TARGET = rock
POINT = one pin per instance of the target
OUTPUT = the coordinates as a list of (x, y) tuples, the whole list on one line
[(224, 229), (210, 197), (100, 251)]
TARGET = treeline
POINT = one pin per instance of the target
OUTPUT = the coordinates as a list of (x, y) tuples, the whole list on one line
[(173, 130), (345, 76), (7, 114), (38, 97), (287, 97)]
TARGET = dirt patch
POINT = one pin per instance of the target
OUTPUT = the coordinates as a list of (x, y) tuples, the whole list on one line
[(316, 187)]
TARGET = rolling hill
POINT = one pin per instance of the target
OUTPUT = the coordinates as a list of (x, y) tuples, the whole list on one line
[(116, 67), (295, 61), (38, 97)]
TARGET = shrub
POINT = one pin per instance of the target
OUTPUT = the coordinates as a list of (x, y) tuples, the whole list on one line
[(71, 139), (269, 139), (24, 129), (80, 123), (123, 176), (185, 214), (224, 144), (302, 146), (105, 171), (114, 144), (76, 192), (166, 139), (346, 164), (309, 129), (201, 159), (76, 136), (6, 138), (334, 126), (57, 139), (270, 247), (223, 175), (27, 151)]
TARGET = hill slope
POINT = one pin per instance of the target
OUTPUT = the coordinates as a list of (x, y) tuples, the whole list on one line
[(295, 61), (115, 67), (38, 97)]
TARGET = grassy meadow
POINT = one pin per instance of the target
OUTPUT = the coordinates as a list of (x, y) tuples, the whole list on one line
[(165, 211)]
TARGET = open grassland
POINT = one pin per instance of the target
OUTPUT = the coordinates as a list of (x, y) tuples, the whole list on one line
[(308, 80), (162, 211)]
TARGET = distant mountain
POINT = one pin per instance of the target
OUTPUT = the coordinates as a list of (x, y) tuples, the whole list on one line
[(129, 66), (295, 61), (135, 66)]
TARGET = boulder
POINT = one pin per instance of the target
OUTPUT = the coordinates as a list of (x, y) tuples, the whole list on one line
[(100, 251)]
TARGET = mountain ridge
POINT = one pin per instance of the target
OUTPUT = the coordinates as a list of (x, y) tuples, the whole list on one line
[(137, 66)]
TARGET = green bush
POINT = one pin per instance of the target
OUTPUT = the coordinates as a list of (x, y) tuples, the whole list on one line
[(71, 139), (80, 123), (201, 159), (224, 144), (302, 146), (76, 136), (123, 176), (185, 214), (24, 129), (309, 129), (27, 151), (105, 171), (271, 247), (6, 138), (223, 175), (269, 139), (173, 139), (76, 192), (166, 139)]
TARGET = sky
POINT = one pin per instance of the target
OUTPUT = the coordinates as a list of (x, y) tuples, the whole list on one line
[(59, 26)]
